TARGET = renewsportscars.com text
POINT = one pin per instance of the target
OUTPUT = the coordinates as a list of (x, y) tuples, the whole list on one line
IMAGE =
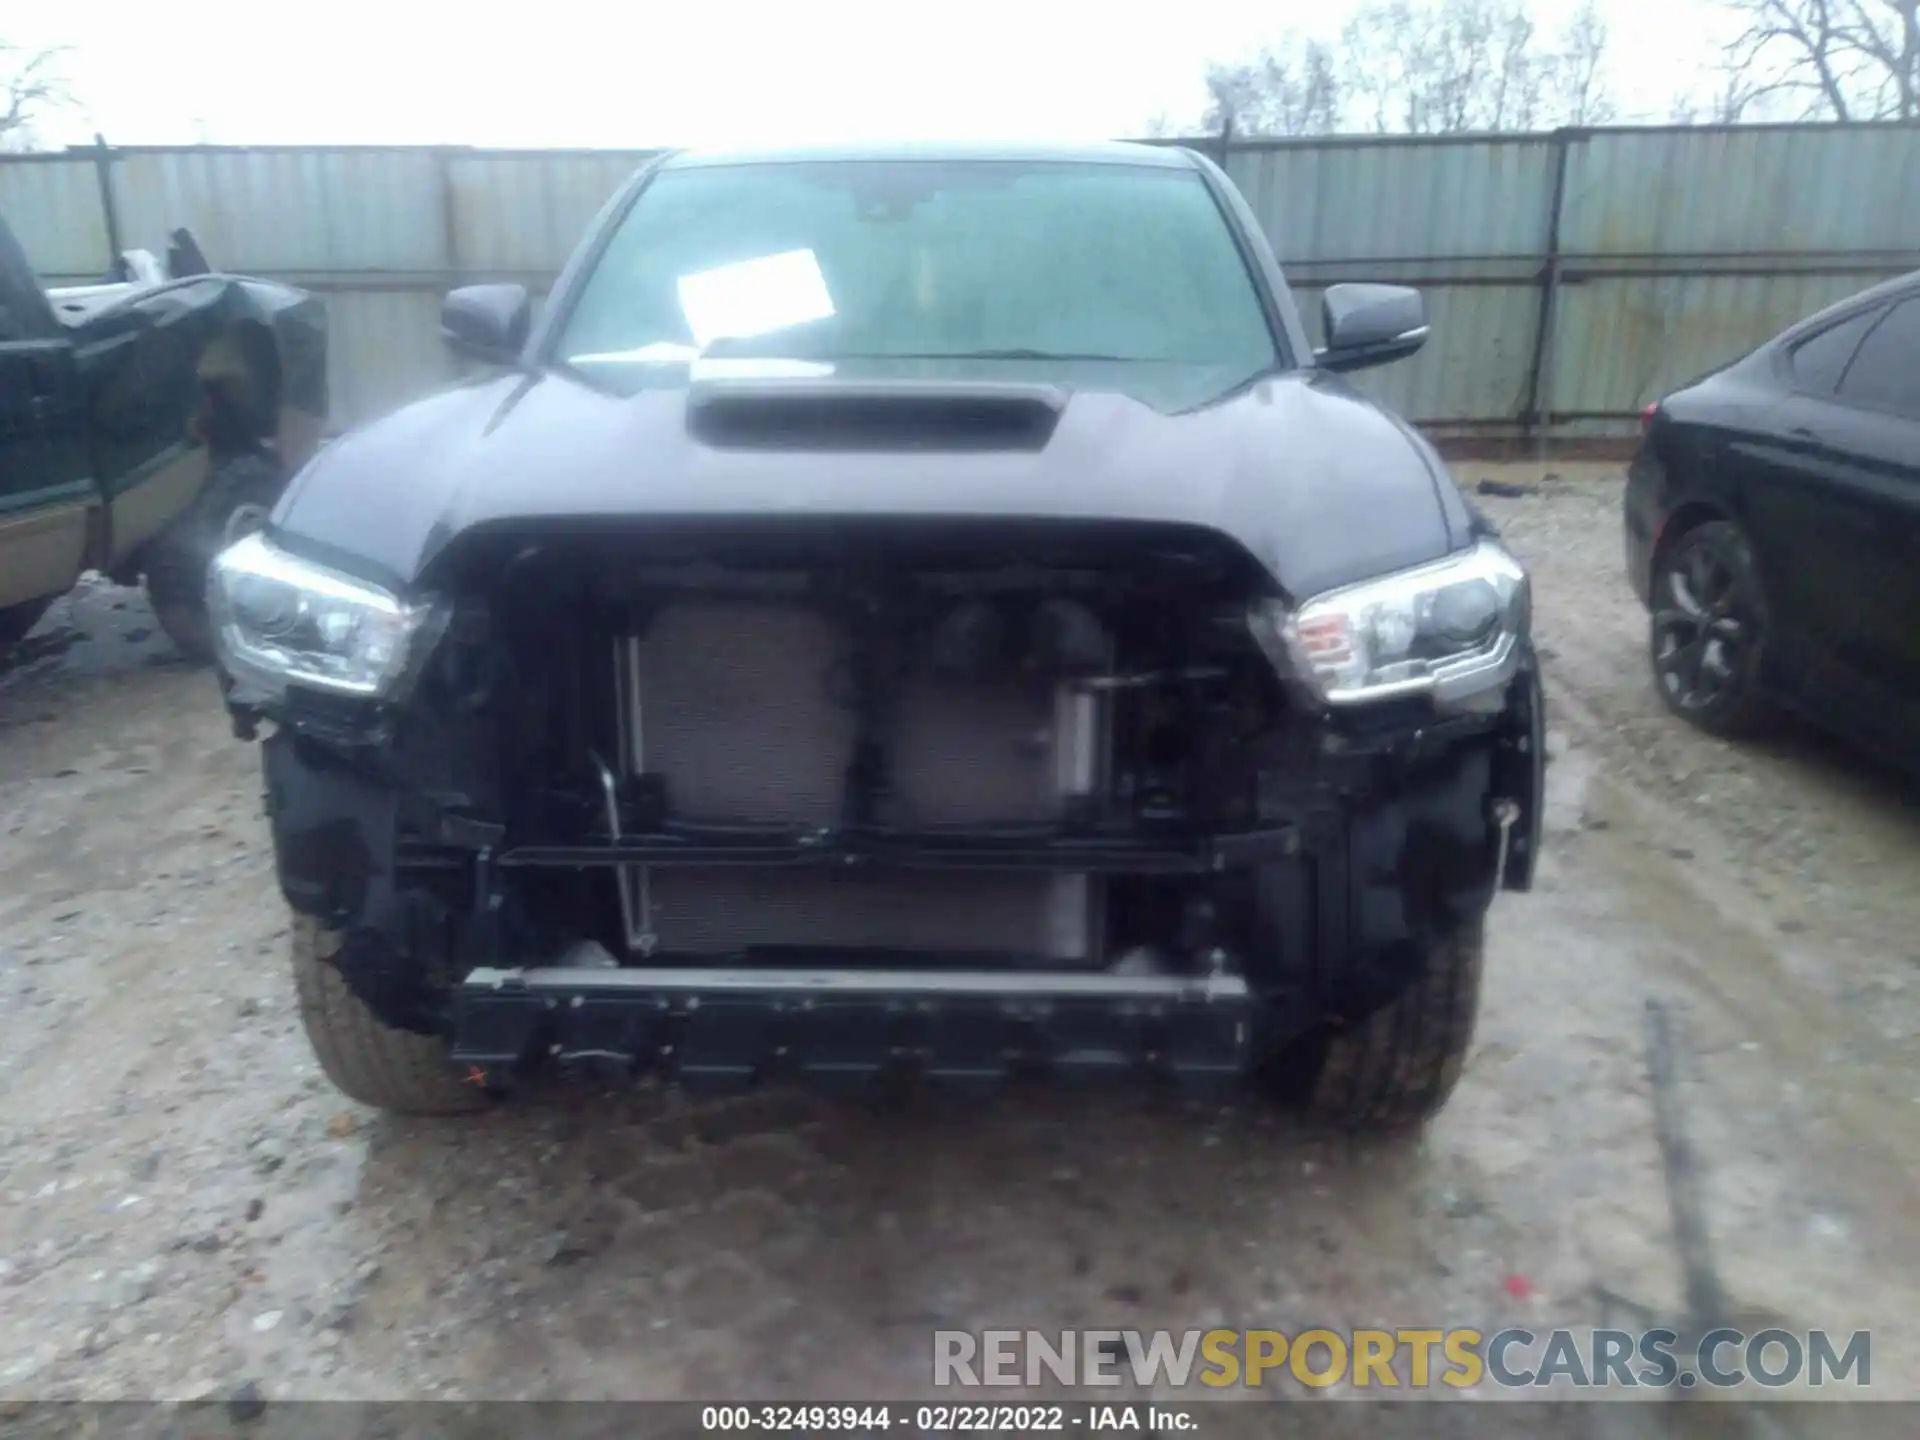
[(1407, 1358)]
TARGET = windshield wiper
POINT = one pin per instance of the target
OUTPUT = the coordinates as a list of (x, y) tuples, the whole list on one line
[(597, 383), (1008, 354)]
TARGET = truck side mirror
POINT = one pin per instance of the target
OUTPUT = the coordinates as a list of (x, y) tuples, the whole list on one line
[(488, 322), (1368, 325)]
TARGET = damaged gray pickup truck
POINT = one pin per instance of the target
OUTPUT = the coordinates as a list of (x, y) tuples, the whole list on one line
[(921, 611)]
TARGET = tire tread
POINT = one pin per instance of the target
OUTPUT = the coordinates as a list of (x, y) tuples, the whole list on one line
[(370, 1062), (1399, 1065)]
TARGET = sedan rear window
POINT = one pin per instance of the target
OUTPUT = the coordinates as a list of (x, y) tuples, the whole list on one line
[(923, 261), (1885, 372), (1819, 362)]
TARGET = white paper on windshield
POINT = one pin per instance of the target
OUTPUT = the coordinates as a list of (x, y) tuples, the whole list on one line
[(772, 367), (753, 297), (660, 352)]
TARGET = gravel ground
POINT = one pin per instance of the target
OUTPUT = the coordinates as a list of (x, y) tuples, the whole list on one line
[(189, 1208)]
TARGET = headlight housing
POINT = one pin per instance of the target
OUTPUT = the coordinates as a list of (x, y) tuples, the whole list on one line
[(1452, 630), (281, 620)]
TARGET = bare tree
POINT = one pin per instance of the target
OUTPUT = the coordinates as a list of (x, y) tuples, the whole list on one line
[(30, 85), (1734, 94), (1287, 91), (1444, 67), (1422, 67), (1576, 75), (1834, 59)]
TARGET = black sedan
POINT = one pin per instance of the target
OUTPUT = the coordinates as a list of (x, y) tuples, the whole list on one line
[(1773, 530)]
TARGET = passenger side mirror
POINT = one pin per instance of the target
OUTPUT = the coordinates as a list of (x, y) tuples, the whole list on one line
[(488, 322), (1369, 325)]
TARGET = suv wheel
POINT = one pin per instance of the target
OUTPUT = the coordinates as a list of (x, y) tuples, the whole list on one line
[(1397, 1067), (370, 1062), (1707, 629)]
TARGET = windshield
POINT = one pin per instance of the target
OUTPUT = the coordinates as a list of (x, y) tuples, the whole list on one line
[(980, 266)]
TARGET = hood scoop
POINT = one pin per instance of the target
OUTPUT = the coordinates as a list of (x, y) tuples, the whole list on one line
[(906, 416)]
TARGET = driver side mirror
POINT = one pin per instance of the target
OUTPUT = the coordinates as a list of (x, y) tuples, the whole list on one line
[(1368, 325), (488, 322)]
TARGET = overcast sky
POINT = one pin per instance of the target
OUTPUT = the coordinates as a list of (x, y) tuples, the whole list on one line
[(594, 72)]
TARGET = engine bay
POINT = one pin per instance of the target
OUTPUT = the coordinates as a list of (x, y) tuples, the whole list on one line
[(1001, 767), (653, 797)]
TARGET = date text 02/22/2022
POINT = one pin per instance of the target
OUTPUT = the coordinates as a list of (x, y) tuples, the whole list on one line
[(962, 1419)]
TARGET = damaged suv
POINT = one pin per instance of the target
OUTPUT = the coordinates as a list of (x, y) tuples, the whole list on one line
[(923, 611)]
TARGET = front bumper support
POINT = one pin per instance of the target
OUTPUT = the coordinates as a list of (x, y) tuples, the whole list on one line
[(961, 849), (721, 1027)]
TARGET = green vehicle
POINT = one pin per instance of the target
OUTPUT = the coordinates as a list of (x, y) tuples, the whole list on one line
[(142, 419)]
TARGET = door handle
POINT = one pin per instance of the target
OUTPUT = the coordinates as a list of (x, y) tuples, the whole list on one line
[(1801, 432)]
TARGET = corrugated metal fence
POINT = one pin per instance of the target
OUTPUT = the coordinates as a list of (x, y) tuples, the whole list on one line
[(1572, 277)]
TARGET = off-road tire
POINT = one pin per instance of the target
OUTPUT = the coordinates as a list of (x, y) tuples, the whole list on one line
[(176, 567), (1396, 1068), (373, 1063)]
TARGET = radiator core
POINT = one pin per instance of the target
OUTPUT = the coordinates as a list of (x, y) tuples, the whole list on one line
[(742, 708)]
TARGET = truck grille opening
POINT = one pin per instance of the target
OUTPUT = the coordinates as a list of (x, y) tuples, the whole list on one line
[(746, 712), (944, 748)]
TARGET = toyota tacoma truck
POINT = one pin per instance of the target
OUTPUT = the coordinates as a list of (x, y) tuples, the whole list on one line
[(918, 611)]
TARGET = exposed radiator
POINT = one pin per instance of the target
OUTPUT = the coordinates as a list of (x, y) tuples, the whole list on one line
[(733, 705), (742, 709)]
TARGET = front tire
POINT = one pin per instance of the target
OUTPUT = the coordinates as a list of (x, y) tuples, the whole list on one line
[(367, 1060), (1398, 1066)]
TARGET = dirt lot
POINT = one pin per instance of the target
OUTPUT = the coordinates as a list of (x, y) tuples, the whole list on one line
[(188, 1207)]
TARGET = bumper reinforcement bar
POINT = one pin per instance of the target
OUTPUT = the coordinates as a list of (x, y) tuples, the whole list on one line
[(925, 850), (722, 1027)]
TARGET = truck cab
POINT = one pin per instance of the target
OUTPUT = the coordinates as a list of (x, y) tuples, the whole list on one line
[(46, 483)]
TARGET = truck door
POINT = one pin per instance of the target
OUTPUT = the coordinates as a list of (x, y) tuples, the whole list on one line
[(46, 485)]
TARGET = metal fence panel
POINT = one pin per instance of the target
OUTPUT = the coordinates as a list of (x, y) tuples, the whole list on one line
[(1413, 200), (1802, 194), (383, 350), (1622, 342), (52, 204), (1675, 249), (523, 213), (290, 211)]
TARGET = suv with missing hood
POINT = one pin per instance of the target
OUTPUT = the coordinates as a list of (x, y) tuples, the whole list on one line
[(917, 610)]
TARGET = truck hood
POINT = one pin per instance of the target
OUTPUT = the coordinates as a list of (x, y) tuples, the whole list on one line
[(1316, 483)]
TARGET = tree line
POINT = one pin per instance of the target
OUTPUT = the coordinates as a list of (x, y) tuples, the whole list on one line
[(1450, 67), (1427, 67)]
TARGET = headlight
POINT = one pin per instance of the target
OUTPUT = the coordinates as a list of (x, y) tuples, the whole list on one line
[(1452, 630), (281, 620)]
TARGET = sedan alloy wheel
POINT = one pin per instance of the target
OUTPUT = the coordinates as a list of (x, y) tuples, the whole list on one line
[(1708, 627)]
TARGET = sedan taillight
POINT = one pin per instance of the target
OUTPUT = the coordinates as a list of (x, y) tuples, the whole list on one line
[(1646, 417)]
